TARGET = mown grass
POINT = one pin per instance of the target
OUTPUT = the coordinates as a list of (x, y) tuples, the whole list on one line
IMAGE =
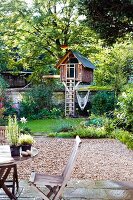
[(51, 125)]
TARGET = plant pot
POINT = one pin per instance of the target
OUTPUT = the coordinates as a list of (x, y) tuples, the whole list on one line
[(15, 150), (26, 147)]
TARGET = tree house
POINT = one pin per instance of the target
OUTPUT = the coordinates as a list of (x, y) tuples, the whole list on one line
[(74, 69)]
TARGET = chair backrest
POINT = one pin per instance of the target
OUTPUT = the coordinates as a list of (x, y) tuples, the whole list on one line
[(2, 134), (5, 170), (69, 166)]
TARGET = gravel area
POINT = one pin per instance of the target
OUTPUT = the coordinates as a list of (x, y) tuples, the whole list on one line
[(98, 159)]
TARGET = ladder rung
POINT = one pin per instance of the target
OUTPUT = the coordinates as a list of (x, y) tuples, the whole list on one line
[(69, 103), (70, 99)]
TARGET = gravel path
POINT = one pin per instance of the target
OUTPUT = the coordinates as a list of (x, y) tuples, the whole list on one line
[(98, 159)]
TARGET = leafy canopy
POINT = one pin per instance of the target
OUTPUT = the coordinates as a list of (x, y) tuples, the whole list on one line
[(112, 19), (33, 34)]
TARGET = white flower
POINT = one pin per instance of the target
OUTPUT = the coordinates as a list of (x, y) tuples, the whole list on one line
[(121, 116), (124, 94), (23, 120)]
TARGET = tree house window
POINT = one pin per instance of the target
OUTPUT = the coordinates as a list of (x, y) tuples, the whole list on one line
[(70, 71), (71, 67)]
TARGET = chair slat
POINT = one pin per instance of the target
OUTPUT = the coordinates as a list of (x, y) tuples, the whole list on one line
[(2, 133)]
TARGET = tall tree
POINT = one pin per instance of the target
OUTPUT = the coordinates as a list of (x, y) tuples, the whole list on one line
[(111, 19), (114, 65), (34, 34)]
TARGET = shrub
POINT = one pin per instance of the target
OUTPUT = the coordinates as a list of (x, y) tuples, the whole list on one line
[(3, 122), (103, 102), (95, 122), (124, 136), (25, 130), (108, 125), (38, 103), (64, 135), (89, 132), (52, 134), (64, 128), (55, 113), (2, 110), (124, 111), (3, 86), (38, 98), (9, 109), (44, 113)]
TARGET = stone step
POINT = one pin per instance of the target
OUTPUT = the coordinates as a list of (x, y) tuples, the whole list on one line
[(82, 190)]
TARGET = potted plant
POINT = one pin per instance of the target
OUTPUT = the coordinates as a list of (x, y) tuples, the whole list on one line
[(13, 134), (26, 141)]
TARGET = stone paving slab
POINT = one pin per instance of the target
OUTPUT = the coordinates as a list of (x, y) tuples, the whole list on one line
[(82, 190)]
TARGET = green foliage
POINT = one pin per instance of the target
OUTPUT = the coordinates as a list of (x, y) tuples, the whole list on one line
[(56, 112), (63, 135), (124, 111), (3, 122), (3, 55), (125, 137), (95, 127), (102, 102), (25, 130), (9, 110), (89, 132), (114, 65), (3, 86), (37, 102), (109, 125), (98, 122), (52, 134), (25, 139), (35, 33), (13, 131), (2, 109), (96, 87), (64, 127), (46, 113), (111, 19)]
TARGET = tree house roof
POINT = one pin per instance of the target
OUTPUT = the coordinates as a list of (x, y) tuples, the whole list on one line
[(83, 60)]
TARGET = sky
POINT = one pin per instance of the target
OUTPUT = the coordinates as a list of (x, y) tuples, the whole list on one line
[(29, 2)]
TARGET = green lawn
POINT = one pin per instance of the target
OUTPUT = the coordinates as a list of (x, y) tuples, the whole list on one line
[(50, 125)]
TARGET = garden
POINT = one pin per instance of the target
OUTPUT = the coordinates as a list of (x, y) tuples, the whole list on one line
[(111, 116), (109, 110), (66, 69)]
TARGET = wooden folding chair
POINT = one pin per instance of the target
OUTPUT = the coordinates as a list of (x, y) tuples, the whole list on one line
[(2, 134), (9, 179), (55, 184)]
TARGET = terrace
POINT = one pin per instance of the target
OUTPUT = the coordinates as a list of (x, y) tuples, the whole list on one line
[(103, 169)]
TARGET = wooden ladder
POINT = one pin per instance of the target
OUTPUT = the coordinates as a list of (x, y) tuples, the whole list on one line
[(70, 97)]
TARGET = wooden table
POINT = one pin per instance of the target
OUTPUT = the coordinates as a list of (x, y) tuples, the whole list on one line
[(5, 153), (7, 163)]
